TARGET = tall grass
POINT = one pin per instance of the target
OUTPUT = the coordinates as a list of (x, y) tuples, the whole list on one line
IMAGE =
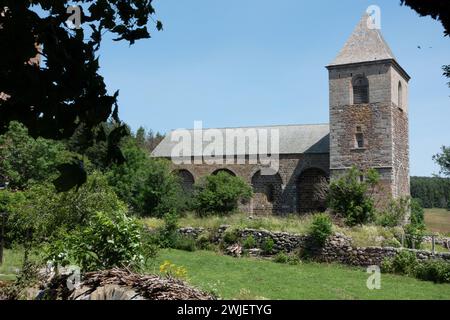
[(290, 223)]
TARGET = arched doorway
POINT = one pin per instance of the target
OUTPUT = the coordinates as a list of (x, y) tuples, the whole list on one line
[(308, 185), (186, 180), (267, 193)]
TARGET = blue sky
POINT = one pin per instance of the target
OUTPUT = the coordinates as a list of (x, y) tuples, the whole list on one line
[(259, 62)]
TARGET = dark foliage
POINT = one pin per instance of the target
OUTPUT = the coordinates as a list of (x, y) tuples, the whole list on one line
[(55, 97), (432, 192)]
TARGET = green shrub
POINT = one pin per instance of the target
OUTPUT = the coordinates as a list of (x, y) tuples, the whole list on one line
[(413, 235), (109, 240), (321, 228), (405, 262), (351, 198), (395, 213), (230, 236), (146, 184), (38, 212), (417, 214), (394, 243), (168, 233), (267, 246), (203, 241), (249, 242), (285, 258), (281, 257), (434, 270), (185, 243), (220, 194)]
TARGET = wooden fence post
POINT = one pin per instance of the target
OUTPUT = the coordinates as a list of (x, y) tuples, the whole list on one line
[(2, 236), (433, 244)]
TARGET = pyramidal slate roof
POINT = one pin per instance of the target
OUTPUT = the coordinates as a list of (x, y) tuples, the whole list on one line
[(293, 139), (365, 44)]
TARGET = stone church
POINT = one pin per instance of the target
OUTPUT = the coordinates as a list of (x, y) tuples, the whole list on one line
[(368, 128)]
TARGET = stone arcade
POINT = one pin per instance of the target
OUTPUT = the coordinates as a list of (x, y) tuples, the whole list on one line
[(368, 93)]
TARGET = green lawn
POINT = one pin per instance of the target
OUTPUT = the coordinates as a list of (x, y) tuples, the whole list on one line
[(438, 220), (12, 260), (253, 278)]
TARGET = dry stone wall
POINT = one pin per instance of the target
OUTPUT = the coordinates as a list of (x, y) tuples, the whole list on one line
[(338, 248)]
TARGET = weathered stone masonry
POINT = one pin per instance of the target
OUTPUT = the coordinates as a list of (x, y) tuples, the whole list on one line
[(337, 248)]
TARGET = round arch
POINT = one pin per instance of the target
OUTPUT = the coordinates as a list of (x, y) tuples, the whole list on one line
[(360, 85), (308, 190), (186, 178), (215, 172), (267, 193)]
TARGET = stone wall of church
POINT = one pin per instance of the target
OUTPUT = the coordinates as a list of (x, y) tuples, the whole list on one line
[(400, 152), (276, 194), (374, 122)]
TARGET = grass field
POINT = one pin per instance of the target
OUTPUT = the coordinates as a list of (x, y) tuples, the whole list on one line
[(248, 278), (438, 220), (12, 261)]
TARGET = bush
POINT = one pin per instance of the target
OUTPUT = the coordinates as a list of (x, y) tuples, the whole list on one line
[(39, 212), (321, 228), (185, 243), (203, 241), (405, 262), (394, 243), (249, 242), (230, 236), (434, 270), (168, 233), (352, 198), (145, 183), (108, 241), (220, 194), (281, 257), (417, 214), (285, 258), (267, 246), (413, 235), (395, 213)]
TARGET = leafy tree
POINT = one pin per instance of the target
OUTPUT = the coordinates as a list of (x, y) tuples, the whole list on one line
[(25, 160), (38, 213), (55, 97), (443, 160), (140, 137), (220, 193), (147, 184), (352, 198)]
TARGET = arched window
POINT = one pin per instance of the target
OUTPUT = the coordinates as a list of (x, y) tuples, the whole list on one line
[(360, 89), (400, 95)]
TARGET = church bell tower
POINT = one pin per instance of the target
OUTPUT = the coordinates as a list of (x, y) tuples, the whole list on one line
[(369, 110)]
